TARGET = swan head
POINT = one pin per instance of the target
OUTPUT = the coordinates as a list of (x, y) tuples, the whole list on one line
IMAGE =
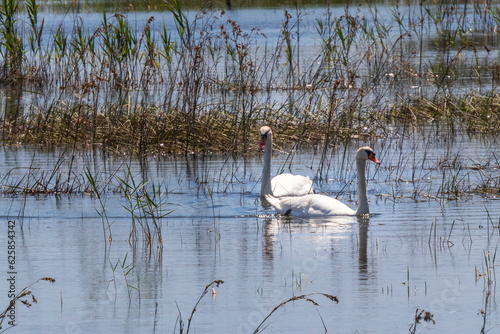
[(265, 132), (366, 153)]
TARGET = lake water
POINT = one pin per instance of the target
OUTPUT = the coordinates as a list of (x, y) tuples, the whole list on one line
[(417, 250)]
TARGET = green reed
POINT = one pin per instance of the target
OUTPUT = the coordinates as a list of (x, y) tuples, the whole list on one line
[(103, 213), (145, 203), (205, 86), (126, 270), (35, 34), (12, 48)]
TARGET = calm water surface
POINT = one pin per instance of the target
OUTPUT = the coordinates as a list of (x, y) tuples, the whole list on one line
[(381, 268)]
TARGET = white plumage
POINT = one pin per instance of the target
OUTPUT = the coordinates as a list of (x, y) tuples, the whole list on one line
[(284, 184), (311, 205)]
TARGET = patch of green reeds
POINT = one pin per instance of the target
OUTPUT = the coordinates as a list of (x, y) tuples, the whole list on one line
[(146, 203), (12, 42), (207, 85)]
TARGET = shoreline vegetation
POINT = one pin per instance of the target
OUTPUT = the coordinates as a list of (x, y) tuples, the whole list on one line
[(207, 85)]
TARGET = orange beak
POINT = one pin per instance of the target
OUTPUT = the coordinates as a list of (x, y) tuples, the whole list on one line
[(262, 144), (373, 158)]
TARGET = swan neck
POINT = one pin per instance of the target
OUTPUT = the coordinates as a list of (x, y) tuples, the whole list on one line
[(362, 195), (266, 168)]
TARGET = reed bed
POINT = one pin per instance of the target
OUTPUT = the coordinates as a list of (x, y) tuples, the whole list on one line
[(207, 84)]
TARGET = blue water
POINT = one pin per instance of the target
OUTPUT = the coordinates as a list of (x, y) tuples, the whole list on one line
[(381, 269)]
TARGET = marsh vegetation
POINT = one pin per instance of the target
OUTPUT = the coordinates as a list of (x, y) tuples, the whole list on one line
[(128, 140), (182, 80)]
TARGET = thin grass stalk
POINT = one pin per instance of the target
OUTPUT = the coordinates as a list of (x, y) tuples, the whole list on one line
[(106, 226)]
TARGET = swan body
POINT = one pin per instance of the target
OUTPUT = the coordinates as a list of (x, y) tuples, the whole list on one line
[(321, 205), (310, 205), (284, 184)]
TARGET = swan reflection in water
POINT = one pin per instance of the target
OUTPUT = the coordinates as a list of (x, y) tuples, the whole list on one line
[(335, 228)]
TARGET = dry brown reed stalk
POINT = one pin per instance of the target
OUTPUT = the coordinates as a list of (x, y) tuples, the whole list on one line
[(420, 315), (22, 294), (307, 298), (209, 286)]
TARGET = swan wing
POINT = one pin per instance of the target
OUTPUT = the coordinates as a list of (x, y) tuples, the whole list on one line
[(310, 205), (291, 185), (325, 205)]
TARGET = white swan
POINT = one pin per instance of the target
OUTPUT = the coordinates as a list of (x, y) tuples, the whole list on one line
[(284, 184), (322, 205)]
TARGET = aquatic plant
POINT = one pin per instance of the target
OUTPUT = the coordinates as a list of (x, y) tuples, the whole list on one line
[(179, 320), (421, 314), (260, 328), (58, 179), (22, 294), (207, 84), (489, 275), (106, 225), (145, 203), (126, 269), (11, 47)]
